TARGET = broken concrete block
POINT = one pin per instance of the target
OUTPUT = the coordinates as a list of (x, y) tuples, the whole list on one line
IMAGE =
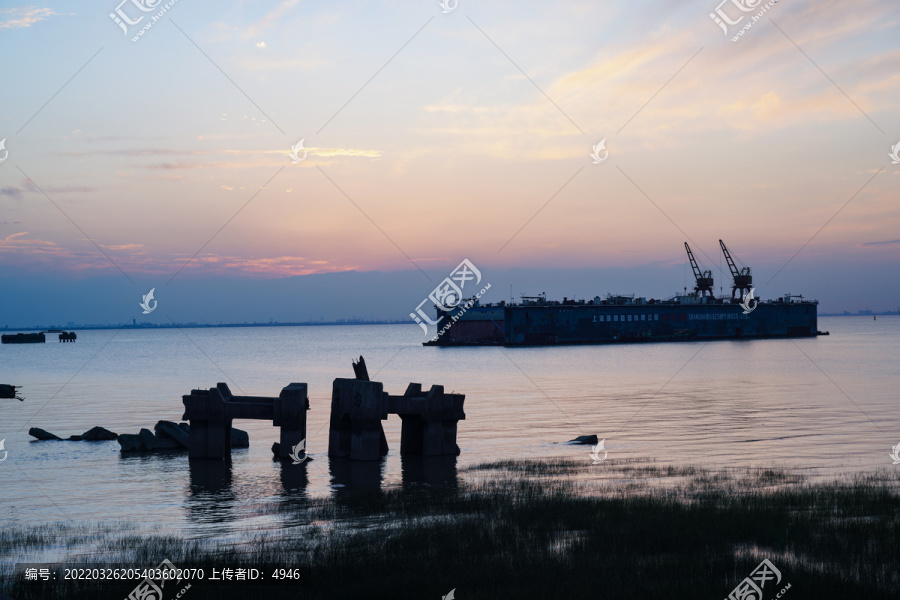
[(98, 434), (167, 430), (153, 443), (40, 434), (131, 442), (239, 438)]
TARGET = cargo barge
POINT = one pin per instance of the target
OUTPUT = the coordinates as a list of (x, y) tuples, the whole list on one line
[(23, 338), (37, 338), (628, 319)]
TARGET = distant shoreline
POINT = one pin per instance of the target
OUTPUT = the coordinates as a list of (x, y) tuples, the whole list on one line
[(887, 313), (77, 327), (192, 325)]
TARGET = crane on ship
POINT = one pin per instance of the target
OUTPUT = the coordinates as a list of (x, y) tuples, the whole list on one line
[(743, 280), (704, 278)]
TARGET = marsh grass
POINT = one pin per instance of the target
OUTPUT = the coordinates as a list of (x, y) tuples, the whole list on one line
[(532, 530)]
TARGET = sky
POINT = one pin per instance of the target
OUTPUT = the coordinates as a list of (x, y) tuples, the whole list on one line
[(434, 136)]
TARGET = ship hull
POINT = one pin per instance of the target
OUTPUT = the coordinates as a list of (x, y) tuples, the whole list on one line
[(553, 324)]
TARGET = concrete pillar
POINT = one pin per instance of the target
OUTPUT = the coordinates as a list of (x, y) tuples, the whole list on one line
[(357, 409), (197, 439), (211, 412), (429, 420), (210, 435), (290, 414)]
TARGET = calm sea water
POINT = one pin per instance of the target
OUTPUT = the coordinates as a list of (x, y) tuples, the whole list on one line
[(824, 406)]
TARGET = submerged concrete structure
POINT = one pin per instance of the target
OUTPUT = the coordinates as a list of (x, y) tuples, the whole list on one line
[(23, 338), (429, 420), (357, 410), (9, 391), (211, 412), (358, 406)]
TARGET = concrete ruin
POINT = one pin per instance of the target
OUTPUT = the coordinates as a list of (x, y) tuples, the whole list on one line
[(429, 420), (23, 338), (210, 413), (9, 391), (358, 406), (37, 338), (357, 410)]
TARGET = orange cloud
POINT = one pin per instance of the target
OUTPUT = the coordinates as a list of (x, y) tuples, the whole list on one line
[(16, 18)]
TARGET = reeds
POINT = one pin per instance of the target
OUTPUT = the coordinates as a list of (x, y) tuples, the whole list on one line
[(536, 530)]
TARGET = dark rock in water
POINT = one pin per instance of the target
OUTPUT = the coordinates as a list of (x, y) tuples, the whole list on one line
[(152, 443), (171, 436), (239, 438), (98, 434), (145, 441), (585, 439), (167, 445), (276, 453), (94, 434), (131, 443), (40, 434), (167, 430), (148, 440)]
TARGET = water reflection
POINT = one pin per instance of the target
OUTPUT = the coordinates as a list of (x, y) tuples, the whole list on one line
[(293, 499), (294, 478), (356, 475), (433, 470), (211, 497)]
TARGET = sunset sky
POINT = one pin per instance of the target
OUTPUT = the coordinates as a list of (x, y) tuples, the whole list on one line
[(151, 147)]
